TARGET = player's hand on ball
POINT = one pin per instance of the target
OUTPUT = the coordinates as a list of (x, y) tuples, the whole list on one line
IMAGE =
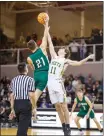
[(91, 56), (87, 116), (46, 19), (12, 114)]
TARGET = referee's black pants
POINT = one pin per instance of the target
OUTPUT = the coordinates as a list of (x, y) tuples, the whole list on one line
[(23, 113)]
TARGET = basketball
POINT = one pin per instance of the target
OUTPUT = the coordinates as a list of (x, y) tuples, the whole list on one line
[(41, 17)]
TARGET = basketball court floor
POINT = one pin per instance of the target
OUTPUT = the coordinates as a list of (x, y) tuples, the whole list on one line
[(39, 132)]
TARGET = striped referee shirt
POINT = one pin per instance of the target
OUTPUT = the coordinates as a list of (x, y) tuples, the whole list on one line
[(21, 85)]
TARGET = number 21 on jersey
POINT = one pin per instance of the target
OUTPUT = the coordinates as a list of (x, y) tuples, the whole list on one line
[(40, 62)]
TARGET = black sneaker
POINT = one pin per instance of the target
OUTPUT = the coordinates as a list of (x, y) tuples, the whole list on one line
[(67, 132)]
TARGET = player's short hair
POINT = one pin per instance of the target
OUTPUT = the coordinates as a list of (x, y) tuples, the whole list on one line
[(31, 45), (22, 67), (67, 51), (79, 91)]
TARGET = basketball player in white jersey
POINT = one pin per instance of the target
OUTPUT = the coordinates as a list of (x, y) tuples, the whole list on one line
[(55, 83)]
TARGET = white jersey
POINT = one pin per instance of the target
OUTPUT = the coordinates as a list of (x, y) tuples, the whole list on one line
[(56, 68), (55, 81)]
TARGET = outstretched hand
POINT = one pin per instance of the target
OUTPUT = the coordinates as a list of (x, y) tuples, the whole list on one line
[(46, 20), (91, 56)]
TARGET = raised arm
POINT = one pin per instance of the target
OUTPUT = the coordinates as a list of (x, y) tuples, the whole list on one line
[(78, 63), (51, 47), (43, 45)]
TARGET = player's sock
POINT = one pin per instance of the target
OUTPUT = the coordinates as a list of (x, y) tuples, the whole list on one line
[(68, 129), (101, 130), (63, 126), (68, 126), (80, 129)]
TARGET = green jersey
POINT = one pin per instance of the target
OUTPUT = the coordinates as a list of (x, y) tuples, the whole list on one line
[(84, 107), (39, 60), (83, 104)]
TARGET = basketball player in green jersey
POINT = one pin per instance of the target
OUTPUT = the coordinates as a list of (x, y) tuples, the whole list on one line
[(38, 61), (85, 110)]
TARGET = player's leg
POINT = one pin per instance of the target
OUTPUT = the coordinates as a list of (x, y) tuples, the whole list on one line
[(64, 110), (78, 117), (92, 116), (60, 112), (77, 122), (37, 94), (55, 100), (66, 116), (40, 83), (63, 101), (98, 124)]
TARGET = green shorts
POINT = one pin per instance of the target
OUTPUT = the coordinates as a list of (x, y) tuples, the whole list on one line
[(41, 79), (83, 113)]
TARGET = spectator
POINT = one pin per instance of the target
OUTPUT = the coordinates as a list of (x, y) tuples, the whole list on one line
[(84, 88), (75, 83), (54, 41), (88, 95), (39, 42), (61, 42), (89, 79), (98, 86), (22, 39), (74, 46), (95, 36), (82, 49), (101, 36), (101, 59), (94, 90), (34, 37), (81, 78), (89, 52), (3, 40), (66, 82), (44, 104), (67, 39), (69, 99), (69, 86), (71, 78), (28, 38)]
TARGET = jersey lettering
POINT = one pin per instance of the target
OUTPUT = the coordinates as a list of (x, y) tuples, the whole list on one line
[(56, 63), (40, 62)]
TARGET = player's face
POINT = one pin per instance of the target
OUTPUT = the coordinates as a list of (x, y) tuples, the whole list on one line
[(62, 52), (79, 94)]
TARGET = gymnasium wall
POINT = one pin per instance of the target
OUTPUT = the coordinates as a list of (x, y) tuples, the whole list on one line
[(95, 69), (61, 22), (7, 21)]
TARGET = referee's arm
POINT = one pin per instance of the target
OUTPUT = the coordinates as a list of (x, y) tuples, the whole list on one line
[(31, 92), (12, 113), (11, 96)]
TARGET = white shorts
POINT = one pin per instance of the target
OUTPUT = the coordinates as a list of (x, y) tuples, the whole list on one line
[(57, 91), (57, 97)]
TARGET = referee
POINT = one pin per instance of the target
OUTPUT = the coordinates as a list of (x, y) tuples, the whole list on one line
[(22, 98)]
